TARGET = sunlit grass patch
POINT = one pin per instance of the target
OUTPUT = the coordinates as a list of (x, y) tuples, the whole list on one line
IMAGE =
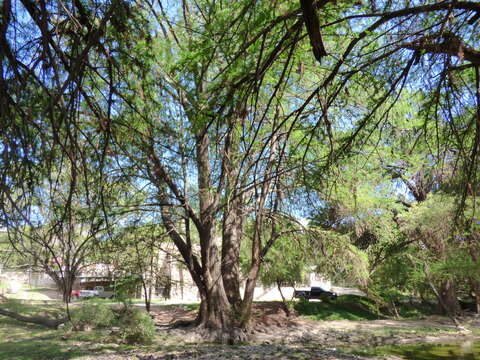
[(345, 307), (23, 341)]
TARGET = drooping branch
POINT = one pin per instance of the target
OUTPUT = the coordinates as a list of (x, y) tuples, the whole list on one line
[(313, 28), (38, 320)]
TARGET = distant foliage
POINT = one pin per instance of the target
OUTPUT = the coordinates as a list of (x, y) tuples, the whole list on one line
[(127, 287), (287, 262), (337, 258)]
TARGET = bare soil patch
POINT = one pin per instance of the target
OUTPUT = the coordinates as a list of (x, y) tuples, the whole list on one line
[(168, 315), (271, 325)]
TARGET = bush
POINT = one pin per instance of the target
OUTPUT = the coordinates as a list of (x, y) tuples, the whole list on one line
[(136, 327), (92, 315)]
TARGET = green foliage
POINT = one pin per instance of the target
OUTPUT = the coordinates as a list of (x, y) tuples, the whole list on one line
[(398, 277), (92, 314), (336, 257), (287, 262), (126, 287), (345, 307), (302, 251), (415, 310), (432, 220), (136, 326)]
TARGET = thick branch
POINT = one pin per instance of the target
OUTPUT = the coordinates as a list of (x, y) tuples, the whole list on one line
[(450, 44), (51, 323), (313, 28), (160, 174)]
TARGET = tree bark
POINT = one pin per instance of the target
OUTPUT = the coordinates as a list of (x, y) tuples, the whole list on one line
[(445, 43), (64, 282), (475, 290), (313, 28), (216, 315), (448, 298), (284, 301), (217, 311), (232, 220), (231, 242)]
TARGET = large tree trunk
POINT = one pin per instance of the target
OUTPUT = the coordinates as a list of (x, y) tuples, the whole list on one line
[(222, 315), (233, 216), (448, 298), (476, 290), (217, 314), (64, 282), (231, 241), (444, 307)]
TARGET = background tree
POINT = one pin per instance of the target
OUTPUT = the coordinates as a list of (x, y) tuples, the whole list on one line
[(139, 251), (58, 221)]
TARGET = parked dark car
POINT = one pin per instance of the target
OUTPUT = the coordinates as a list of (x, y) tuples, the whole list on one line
[(315, 292)]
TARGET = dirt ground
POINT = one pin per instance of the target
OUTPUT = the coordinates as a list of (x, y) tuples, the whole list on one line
[(271, 314), (276, 336)]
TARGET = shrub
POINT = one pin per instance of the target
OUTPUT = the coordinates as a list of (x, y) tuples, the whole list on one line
[(136, 327), (92, 315), (133, 326)]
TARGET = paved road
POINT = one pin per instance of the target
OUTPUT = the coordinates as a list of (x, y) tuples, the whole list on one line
[(347, 291)]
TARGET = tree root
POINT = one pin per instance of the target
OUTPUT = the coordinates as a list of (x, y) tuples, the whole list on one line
[(231, 336), (182, 323)]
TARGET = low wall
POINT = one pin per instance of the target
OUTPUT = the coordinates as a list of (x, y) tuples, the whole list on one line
[(190, 294), (27, 278)]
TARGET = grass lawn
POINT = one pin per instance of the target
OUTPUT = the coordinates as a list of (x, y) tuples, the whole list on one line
[(22, 341), (345, 307), (29, 342), (353, 307), (427, 351)]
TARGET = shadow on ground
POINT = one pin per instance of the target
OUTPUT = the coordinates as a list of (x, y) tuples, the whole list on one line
[(50, 348)]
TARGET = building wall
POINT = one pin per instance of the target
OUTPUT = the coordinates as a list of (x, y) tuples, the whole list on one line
[(176, 285), (27, 278), (183, 289)]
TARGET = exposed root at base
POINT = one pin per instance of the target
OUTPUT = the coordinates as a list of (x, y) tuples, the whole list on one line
[(182, 324), (232, 336)]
